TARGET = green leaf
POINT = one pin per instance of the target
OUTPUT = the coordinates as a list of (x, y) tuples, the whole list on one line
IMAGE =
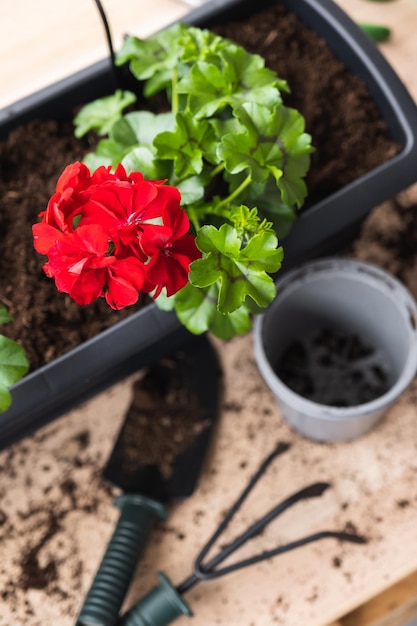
[(131, 142), (206, 88), (93, 160), (197, 311), (5, 316), (249, 76), (201, 45), (13, 365), (225, 126), (240, 271), (5, 398), (108, 152), (101, 114), (281, 215), (164, 302), (192, 189), (195, 307), (144, 126), (210, 89), (227, 326), (142, 159), (273, 145), (153, 59), (187, 145)]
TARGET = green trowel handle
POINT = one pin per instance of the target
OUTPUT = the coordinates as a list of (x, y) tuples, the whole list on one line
[(105, 597), (161, 606)]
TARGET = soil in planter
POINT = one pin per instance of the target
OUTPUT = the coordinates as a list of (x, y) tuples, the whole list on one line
[(340, 115), (334, 368)]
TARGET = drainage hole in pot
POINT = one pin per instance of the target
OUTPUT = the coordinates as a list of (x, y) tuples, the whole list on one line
[(334, 368)]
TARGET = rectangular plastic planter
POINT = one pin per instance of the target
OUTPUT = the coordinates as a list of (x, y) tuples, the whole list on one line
[(134, 342)]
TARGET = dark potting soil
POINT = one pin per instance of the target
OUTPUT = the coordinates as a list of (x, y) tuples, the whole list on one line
[(339, 113), (174, 404), (161, 403), (333, 368)]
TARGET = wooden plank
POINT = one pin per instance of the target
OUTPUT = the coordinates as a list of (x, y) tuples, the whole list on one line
[(394, 607)]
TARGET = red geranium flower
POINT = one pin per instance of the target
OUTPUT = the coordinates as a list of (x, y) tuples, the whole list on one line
[(68, 198), (171, 250), (83, 266), (114, 235)]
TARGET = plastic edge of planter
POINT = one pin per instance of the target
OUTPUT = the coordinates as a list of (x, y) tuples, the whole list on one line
[(46, 393)]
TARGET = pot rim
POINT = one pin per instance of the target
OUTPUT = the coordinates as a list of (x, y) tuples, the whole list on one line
[(366, 272)]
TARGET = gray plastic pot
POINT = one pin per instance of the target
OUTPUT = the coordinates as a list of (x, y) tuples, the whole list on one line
[(349, 297)]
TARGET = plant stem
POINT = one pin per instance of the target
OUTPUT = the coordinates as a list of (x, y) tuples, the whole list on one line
[(235, 193), (192, 216), (174, 91), (219, 208), (217, 170)]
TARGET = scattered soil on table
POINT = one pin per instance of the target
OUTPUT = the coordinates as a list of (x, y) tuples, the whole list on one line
[(340, 115), (389, 238)]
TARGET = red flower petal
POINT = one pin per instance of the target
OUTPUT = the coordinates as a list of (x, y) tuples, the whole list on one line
[(124, 282), (45, 237), (74, 176)]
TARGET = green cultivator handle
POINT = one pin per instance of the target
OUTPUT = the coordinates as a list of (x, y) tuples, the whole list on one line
[(161, 606), (105, 597)]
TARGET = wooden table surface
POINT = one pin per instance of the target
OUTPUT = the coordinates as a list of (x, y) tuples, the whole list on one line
[(376, 476), (47, 40)]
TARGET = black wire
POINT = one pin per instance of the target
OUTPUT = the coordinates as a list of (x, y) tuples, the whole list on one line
[(109, 41)]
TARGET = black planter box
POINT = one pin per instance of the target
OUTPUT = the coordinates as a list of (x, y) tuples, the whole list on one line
[(322, 229)]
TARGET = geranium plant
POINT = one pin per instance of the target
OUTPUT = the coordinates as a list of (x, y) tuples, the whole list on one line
[(225, 146)]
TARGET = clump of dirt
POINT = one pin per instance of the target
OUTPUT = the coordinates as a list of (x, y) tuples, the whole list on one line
[(389, 238)]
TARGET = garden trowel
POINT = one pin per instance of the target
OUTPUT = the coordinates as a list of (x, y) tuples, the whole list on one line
[(172, 414)]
